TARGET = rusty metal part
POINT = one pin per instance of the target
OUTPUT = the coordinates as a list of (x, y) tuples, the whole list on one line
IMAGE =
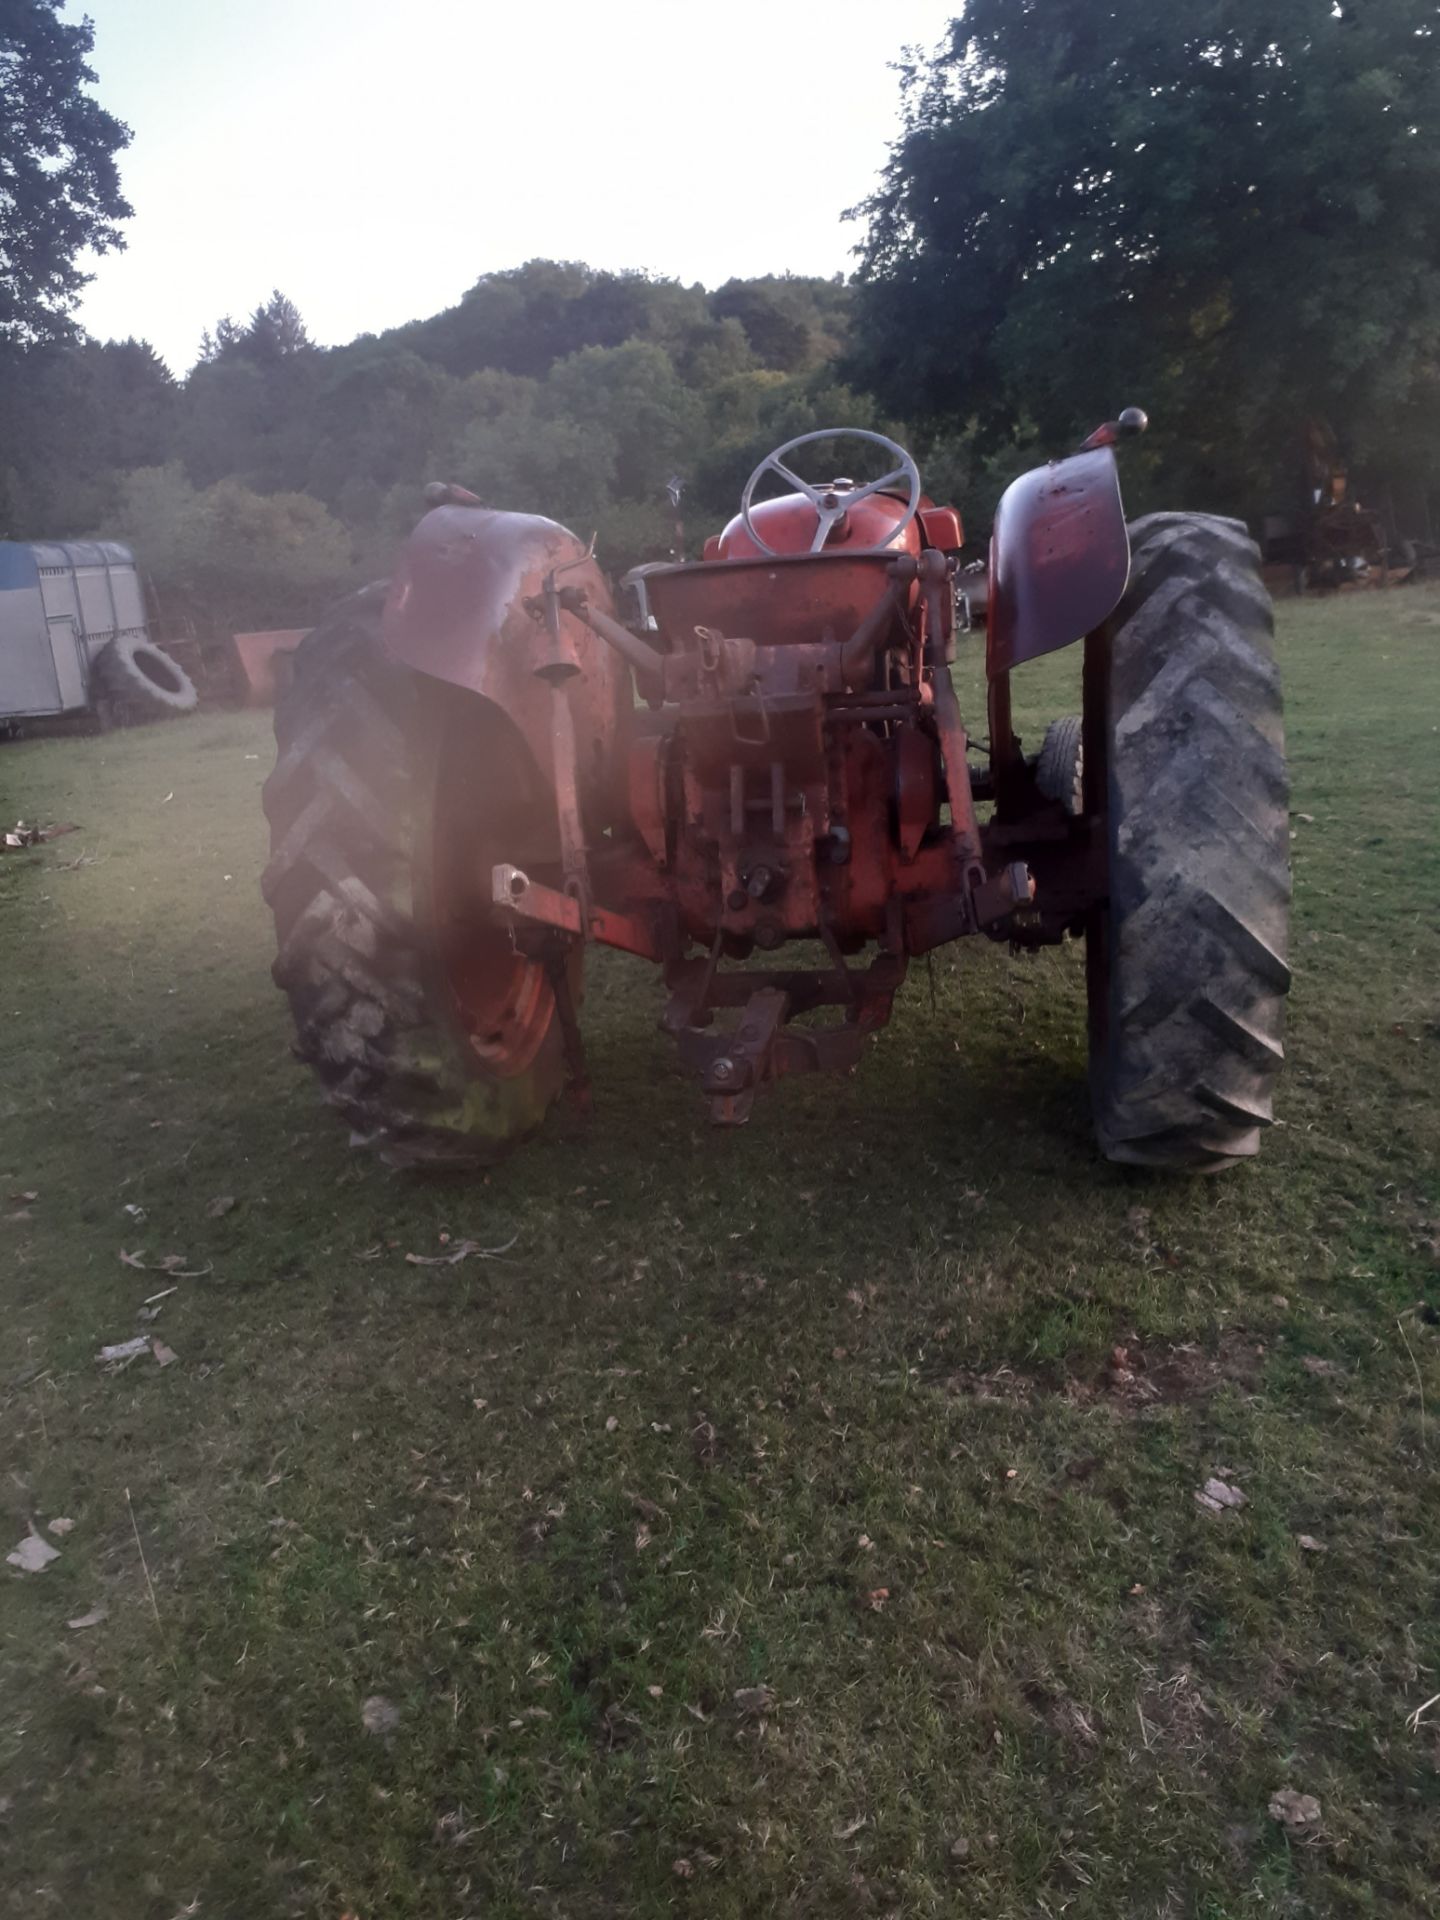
[(998, 897), (649, 665), (577, 1085), (1059, 558), (445, 493), (527, 900), (458, 610), (488, 799), (733, 1075), (950, 727), (858, 653), (567, 795), (791, 600), (917, 790)]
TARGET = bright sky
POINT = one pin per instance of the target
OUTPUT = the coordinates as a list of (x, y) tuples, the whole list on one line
[(372, 158)]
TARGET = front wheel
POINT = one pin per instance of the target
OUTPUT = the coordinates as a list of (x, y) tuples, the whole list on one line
[(1187, 965), (391, 800)]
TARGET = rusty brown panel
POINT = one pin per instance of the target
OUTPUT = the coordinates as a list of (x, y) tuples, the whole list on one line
[(456, 611), (1059, 558), (789, 600), (257, 653)]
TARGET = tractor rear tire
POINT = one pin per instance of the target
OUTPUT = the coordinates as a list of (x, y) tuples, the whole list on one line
[(1187, 966), (382, 986), (135, 680)]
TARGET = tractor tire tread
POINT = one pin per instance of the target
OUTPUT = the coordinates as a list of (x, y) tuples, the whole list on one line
[(351, 959), (1184, 1074), (1060, 768)]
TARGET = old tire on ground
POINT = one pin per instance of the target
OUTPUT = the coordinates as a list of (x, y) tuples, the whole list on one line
[(134, 680), (1187, 969), (1060, 769), (391, 799)]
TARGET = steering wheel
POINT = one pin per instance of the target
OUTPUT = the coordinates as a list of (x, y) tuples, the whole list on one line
[(832, 503)]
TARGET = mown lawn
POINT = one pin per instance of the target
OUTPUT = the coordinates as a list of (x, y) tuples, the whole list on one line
[(798, 1521)]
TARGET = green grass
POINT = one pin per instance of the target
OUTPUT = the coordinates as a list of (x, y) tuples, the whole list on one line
[(725, 1390)]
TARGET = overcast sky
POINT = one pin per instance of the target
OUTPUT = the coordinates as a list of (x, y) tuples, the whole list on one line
[(373, 157)]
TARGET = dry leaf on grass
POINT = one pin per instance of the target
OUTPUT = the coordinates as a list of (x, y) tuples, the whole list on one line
[(1307, 1543), (222, 1204), (32, 1555), (60, 1526), (379, 1715), (753, 1701), (172, 1265), (1322, 1369), (1298, 1811), (1215, 1496), (166, 1356), (90, 1619)]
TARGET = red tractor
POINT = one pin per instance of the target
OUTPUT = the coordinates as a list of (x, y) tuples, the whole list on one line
[(483, 769)]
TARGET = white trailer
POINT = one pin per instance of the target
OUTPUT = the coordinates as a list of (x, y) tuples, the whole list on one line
[(73, 633)]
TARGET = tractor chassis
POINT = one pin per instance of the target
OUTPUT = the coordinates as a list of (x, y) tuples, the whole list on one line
[(1029, 876), (795, 792)]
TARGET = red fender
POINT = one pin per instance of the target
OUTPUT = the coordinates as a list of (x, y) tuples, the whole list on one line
[(457, 611), (1059, 558)]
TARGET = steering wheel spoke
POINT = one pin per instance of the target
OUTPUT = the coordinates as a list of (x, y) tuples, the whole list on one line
[(794, 480), (878, 486), (830, 506)]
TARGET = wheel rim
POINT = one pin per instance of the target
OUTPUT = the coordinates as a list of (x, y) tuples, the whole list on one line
[(490, 805)]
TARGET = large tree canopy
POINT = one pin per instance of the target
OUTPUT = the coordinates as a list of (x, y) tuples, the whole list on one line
[(1227, 212), (59, 185)]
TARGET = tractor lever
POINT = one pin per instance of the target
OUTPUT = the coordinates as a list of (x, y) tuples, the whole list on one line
[(1133, 421), (644, 658)]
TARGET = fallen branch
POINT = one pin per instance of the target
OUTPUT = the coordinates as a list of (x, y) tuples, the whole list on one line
[(462, 1250)]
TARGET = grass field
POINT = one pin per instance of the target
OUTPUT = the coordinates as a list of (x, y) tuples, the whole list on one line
[(798, 1521)]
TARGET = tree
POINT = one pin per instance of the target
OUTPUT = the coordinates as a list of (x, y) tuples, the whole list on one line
[(375, 419), (1226, 212), (526, 318), (773, 322), (224, 340), (59, 184), (229, 558), (275, 332), (71, 416), (250, 400)]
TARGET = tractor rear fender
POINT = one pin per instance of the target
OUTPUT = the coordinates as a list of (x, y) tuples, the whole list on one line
[(457, 611), (1059, 558)]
